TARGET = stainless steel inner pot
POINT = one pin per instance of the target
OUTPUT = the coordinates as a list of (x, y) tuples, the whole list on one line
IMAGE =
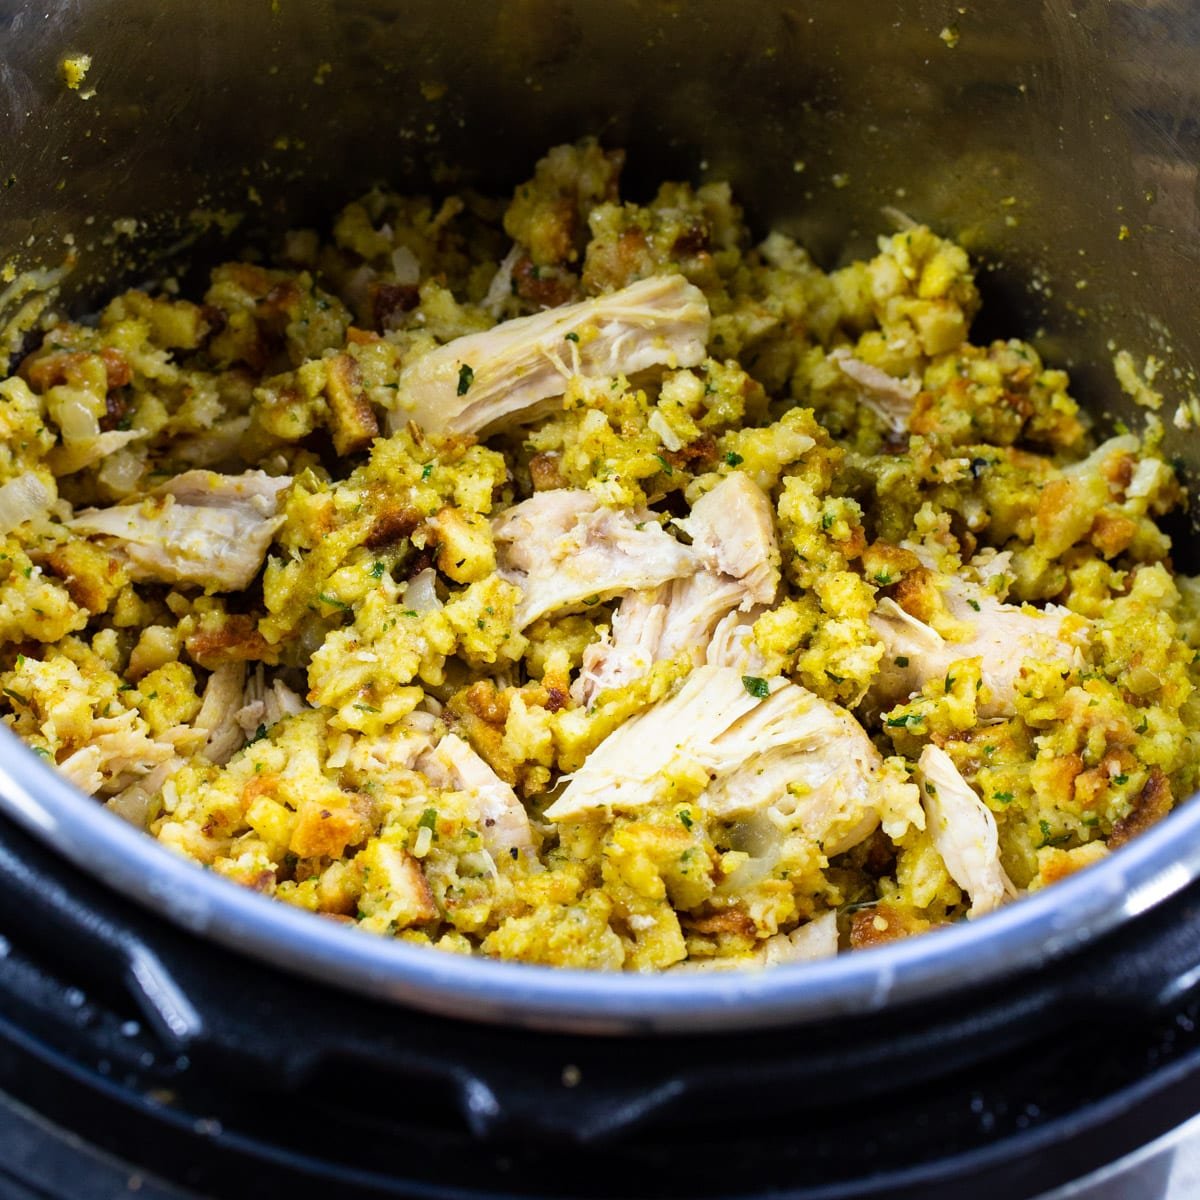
[(1059, 142)]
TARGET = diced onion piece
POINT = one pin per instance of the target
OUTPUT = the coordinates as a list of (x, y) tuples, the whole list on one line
[(22, 499), (420, 595), (405, 266), (76, 421), (122, 472)]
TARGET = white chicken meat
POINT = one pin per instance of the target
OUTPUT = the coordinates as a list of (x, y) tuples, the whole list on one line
[(733, 536), (503, 822), (479, 382), (889, 398), (964, 832), (198, 528), (786, 755), (1002, 635), (563, 549)]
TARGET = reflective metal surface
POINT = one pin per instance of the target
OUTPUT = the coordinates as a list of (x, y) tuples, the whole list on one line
[(1058, 141), (1037, 929)]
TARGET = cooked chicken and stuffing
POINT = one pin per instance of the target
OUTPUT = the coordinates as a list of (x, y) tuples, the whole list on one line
[(576, 581)]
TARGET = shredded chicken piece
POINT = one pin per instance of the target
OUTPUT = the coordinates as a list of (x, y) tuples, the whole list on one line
[(218, 712), (501, 287), (399, 748), (235, 709), (120, 752), (633, 648), (963, 831), (133, 803), (506, 374), (453, 765), (733, 530), (563, 548), (67, 458), (891, 399), (733, 535), (815, 940), (807, 943), (991, 564), (1002, 635), (733, 645), (790, 756), (264, 705), (199, 528)]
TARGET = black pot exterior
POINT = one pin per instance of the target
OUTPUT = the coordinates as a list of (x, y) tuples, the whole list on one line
[(222, 1077)]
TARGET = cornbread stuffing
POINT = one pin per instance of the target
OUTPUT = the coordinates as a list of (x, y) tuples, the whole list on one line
[(574, 581)]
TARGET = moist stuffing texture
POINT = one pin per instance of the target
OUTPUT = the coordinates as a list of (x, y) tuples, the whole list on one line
[(571, 580)]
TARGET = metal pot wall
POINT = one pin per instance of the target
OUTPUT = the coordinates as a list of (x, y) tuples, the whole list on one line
[(1059, 143)]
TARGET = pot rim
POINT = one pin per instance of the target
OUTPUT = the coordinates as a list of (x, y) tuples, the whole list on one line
[(1022, 936)]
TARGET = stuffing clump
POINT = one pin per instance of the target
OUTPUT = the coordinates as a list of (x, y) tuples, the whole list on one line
[(575, 581)]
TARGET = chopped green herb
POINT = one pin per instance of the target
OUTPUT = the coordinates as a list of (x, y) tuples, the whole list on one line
[(904, 719), (974, 604), (428, 819), (259, 734), (427, 469), (410, 612), (591, 599), (666, 466), (368, 708), (377, 570), (15, 696), (902, 660), (42, 752), (572, 336), (827, 521), (1003, 797), (884, 578), (332, 601), (733, 459), (686, 818), (1121, 780), (466, 377), (756, 687)]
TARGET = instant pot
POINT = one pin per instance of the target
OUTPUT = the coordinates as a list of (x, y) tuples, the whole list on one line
[(166, 1033)]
